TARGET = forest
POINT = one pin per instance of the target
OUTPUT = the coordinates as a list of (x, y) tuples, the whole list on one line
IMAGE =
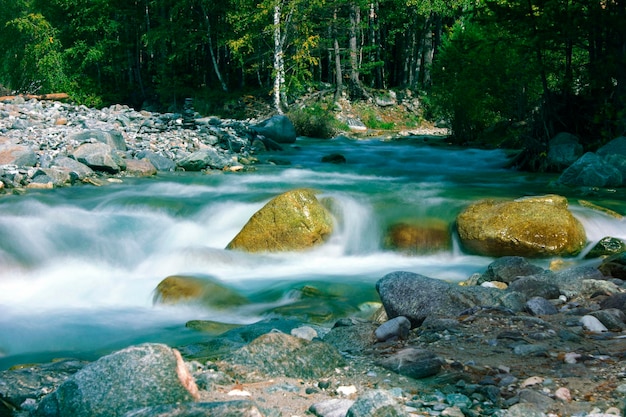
[(521, 69)]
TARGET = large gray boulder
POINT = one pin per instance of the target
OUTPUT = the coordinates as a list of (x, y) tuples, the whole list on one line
[(113, 138), (532, 226), (615, 147), (19, 155), (99, 157), (202, 159), (138, 376), (591, 170), (81, 170), (417, 297), (376, 403), (277, 128), (563, 150)]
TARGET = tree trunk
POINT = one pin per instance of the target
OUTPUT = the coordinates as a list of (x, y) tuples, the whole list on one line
[(338, 71), (279, 62), (216, 67)]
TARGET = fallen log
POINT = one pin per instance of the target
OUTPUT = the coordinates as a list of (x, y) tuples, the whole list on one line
[(52, 96)]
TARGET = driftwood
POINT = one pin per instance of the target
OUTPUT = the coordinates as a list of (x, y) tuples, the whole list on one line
[(53, 96)]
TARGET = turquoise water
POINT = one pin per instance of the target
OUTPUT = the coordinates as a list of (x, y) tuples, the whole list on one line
[(78, 266)]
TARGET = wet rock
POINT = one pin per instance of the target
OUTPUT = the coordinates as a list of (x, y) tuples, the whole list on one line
[(241, 408), (334, 158), (277, 128), (376, 403), (203, 159), (607, 246), (419, 238), (352, 337), (206, 290), (509, 268), (273, 355), (138, 376), (538, 306), (295, 220), (531, 227), (417, 297), (413, 362), (591, 170), (614, 266), (617, 301), (396, 328)]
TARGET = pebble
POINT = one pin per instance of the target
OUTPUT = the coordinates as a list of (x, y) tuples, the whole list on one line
[(533, 380), (563, 394), (346, 390)]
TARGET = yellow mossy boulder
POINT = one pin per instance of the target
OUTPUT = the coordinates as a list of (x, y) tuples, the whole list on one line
[(539, 226), (292, 221)]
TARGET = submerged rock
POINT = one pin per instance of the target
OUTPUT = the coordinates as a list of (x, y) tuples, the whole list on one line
[(295, 220), (419, 238), (277, 128), (206, 290), (531, 227)]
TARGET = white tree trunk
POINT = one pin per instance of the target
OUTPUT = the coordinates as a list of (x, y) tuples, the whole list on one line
[(279, 61)]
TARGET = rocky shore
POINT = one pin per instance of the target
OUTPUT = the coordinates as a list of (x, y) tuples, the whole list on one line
[(514, 340)]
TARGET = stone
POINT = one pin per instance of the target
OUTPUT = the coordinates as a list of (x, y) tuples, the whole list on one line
[(335, 407), (203, 159), (570, 280), (536, 286), (273, 355), (113, 138), (334, 158), (396, 328), (135, 377), (99, 157), (293, 221), (509, 268), (607, 246), (616, 146), (205, 290), (432, 237), (238, 408), (417, 297), (353, 338), (591, 170), (81, 170), (160, 162), (523, 410), (612, 318), (19, 155), (539, 400), (530, 227), (617, 301), (563, 150), (538, 306), (614, 266), (376, 403), (140, 168), (413, 362), (592, 324), (277, 128)]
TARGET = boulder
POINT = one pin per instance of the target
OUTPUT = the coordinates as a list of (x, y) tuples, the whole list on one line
[(419, 238), (113, 138), (413, 362), (376, 403), (209, 291), (202, 159), (140, 168), (563, 150), (160, 162), (19, 155), (100, 157), (507, 269), (615, 147), (607, 246), (417, 297), (295, 220), (531, 227), (279, 354), (81, 170), (138, 376), (591, 170), (277, 128), (614, 266), (536, 286)]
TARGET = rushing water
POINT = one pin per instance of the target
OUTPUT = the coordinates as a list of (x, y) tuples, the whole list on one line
[(78, 266)]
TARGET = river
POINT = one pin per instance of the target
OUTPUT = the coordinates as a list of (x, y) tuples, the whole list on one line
[(79, 265)]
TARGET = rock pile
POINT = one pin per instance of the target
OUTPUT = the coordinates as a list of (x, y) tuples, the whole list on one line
[(45, 144)]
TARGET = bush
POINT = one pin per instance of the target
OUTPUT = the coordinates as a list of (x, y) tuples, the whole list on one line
[(316, 121)]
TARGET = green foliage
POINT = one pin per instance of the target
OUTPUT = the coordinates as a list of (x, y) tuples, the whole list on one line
[(33, 59), (482, 79), (317, 121)]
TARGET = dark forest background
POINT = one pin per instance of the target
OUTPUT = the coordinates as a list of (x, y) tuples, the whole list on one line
[(527, 69)]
